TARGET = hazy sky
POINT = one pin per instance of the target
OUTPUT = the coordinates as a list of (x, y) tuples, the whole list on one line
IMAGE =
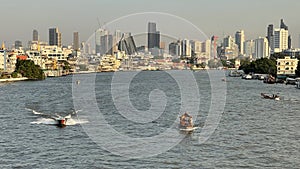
[(219, 17)]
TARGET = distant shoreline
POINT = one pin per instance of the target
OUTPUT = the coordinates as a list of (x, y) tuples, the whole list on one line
[(14, 79)]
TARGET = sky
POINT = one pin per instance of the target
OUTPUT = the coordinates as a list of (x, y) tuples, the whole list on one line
[(212, 17)]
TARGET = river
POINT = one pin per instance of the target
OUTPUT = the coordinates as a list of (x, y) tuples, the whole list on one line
[(252, 132)]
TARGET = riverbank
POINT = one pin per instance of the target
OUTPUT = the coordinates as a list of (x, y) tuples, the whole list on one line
[(14, 79)]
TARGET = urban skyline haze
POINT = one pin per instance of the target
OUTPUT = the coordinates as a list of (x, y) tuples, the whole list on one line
[(213, 17)]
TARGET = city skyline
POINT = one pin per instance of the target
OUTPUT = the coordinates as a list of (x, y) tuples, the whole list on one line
[(212, 17)]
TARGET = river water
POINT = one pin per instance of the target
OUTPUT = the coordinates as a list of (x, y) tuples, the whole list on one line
[(252, 132)]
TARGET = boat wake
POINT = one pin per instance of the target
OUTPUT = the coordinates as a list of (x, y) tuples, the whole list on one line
[(53, 119)]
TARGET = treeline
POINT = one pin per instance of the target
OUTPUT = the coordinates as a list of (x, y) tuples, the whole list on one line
[(262, 66), (28, 69)]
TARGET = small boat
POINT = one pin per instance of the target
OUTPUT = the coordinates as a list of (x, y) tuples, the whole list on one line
[(274, 96), (270, 79), (62, 122), (186, 123)]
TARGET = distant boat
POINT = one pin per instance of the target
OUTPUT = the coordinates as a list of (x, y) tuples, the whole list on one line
[(186, 123), (273, 96), (270, 79), (290, 81), (236, 73)]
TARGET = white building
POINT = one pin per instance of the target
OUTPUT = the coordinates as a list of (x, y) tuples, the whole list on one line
[(249, 48), (280, 41), (286, 66), (55, 52), (186, 48), (262, 49)]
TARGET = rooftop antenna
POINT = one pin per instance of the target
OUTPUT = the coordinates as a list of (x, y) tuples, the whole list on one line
[(99, 24)]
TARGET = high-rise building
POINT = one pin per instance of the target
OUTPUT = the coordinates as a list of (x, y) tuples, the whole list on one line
[(127, 44), (228, 42), (280, 42), (289, 42), (18, 44), (35, 35), (186, 49), (106, 44), (98, 34), (76, 41), (175, 48), (262, 49), (249, 49), (153, 36), (239, 40), (196, 47), (54, 37), (270, 36), (231, 50), (283, 25)]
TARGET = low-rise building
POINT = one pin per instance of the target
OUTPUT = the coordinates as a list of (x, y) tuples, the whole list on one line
[(287, 66)]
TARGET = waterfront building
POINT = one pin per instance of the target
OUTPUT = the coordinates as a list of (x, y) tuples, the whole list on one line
[(3, 56), (287, 66), (54, 37), (280, 40), (55, 52), (239, 40), (262, 49), (35, 35)]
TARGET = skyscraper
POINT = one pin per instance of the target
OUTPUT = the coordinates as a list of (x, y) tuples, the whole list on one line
[(106, 44), (239, 40), (54, 37), (249, 49), (127, 44), (270, 35), (280, 40), (35, 35), (289, 42), (153, 36), (175, 48), (76, 41), (18, 44), (262, 49), (186, 48), (283, 25), (98, 35)]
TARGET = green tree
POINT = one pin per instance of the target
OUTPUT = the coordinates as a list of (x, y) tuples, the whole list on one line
[(28, 69), (263, 66)]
